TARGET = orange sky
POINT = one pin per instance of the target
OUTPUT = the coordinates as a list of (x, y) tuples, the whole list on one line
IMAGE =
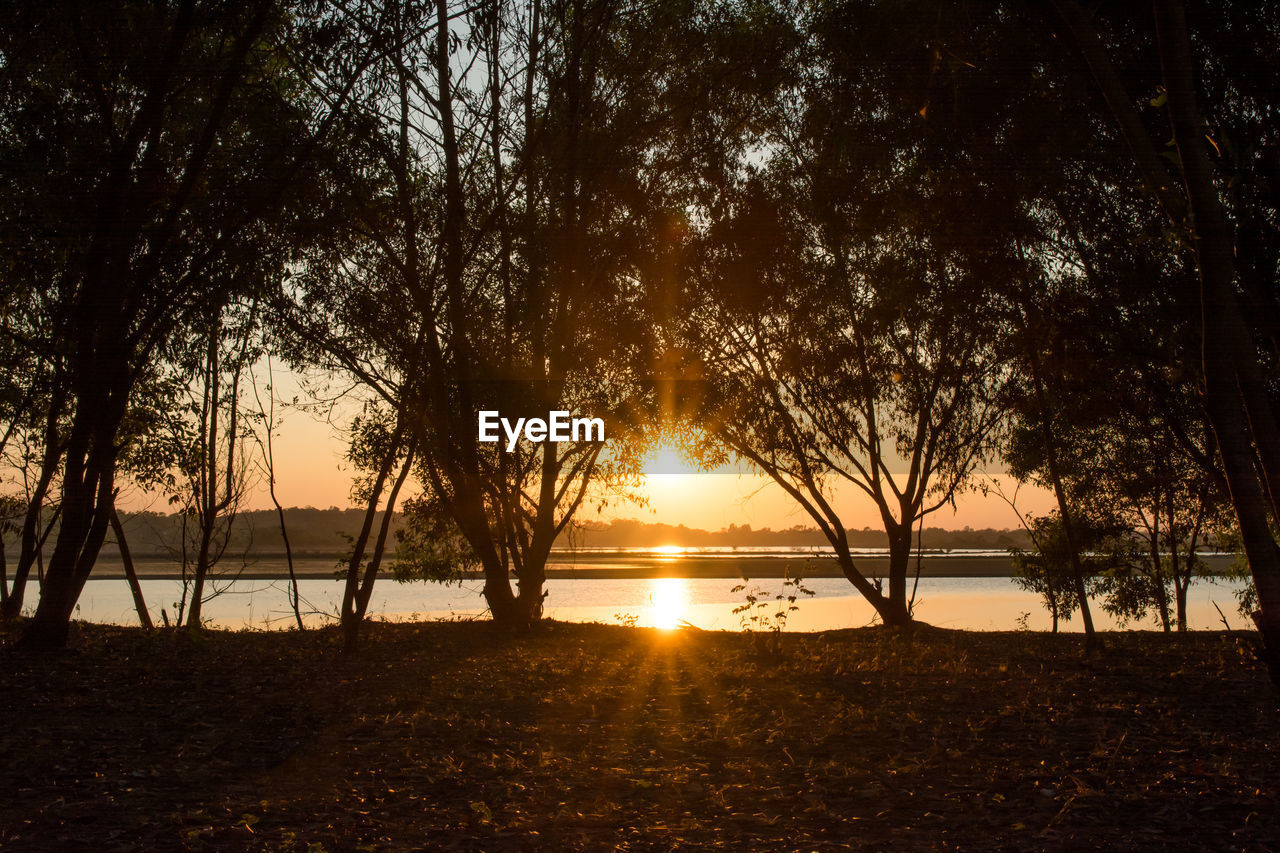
[(311, 471)]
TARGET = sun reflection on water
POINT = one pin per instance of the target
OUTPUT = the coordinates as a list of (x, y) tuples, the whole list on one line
[(668, 601)]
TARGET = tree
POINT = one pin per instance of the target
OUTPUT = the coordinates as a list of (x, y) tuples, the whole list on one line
[(377, 446), (1217, 189), (528, 161), (1057, 566), (215, 469), (141, 144), (841, 308), (266, 414)]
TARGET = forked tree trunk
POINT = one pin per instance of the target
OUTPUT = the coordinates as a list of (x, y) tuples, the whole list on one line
[(355, 602), (349, 614), (85, 515), (32, 537), (891, 614)]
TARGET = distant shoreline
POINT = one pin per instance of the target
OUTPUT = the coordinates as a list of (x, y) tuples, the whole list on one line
[(632, 567)]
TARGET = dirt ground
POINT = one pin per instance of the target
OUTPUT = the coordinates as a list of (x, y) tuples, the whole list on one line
[(460, 736)]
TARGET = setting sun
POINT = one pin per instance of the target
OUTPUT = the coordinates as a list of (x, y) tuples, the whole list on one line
[(665, 461)]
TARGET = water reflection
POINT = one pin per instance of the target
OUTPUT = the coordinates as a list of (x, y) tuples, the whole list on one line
[(667, 553), (966, 603), (668, 602)]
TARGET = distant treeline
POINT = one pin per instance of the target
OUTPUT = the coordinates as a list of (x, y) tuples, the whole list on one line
[(311, 531), (324, 532), (632, 533)]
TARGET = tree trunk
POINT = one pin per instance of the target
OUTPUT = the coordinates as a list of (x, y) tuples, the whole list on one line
[(126, 558), (1174, 569), (1182, 580), (897, 611), (1230, 368), (85, 512), (28, 549), (31, 536), (529, 600), (195, 610), (350, 614), (208, 486), (351, 627), (1060, 493), (1158, 591), (294, 597), (888, 614), (503, 606)]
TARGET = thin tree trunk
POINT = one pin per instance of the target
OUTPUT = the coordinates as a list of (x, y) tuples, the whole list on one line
[(1182, 581), (31, 540), (294, 598), (4, 574), (1060, 493), (365, 592), (130, 574), (915, 584), (208, 484), (270, 415), (1175, 569), (349, 613), (1157, 571)]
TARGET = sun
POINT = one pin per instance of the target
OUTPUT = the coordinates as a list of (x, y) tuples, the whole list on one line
[(665, 462), (676, 491), (668, 478), (668, 602)]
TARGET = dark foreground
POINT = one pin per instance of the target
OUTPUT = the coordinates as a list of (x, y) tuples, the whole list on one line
[(455, 736)]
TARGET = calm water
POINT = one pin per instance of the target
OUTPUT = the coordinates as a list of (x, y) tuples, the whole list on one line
[(994, 604)]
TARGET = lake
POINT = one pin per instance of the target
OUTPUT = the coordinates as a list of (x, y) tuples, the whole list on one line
[(970, 603)]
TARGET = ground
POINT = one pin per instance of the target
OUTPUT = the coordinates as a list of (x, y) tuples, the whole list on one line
[(460, 736)]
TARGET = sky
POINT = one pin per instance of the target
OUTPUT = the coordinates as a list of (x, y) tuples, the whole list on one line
[(311, 471)]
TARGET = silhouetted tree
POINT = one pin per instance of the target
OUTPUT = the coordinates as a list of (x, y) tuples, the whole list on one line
[(504, 258), (1057, 568), (142, 143), (1218, 189), (847, 312)]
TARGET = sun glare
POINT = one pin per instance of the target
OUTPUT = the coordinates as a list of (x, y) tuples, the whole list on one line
[(668, 601), (665, 462), (669, 550)]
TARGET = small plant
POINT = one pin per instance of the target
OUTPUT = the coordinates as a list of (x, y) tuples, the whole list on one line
[(765, 615), (628, 620)]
